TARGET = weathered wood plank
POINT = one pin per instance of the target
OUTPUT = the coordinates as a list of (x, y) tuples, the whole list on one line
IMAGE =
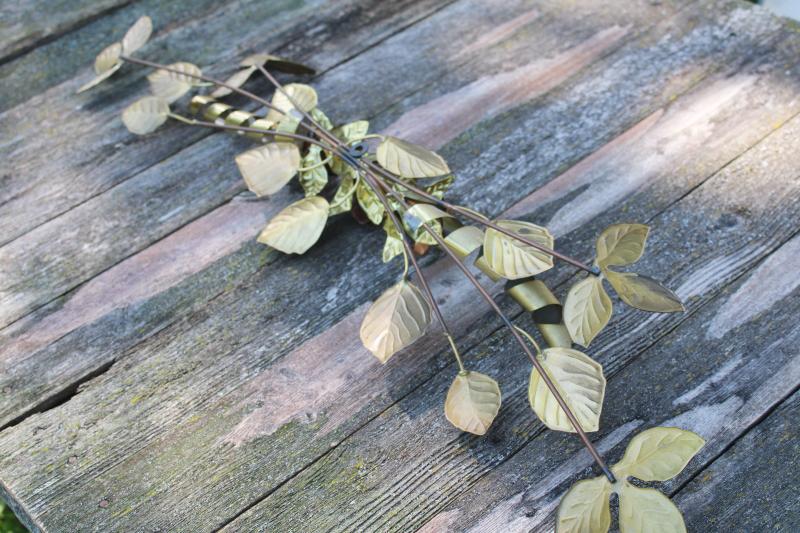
[(407, 468), (63, 162), (24, 25), (754, 486), (169, 390), (31, 379)]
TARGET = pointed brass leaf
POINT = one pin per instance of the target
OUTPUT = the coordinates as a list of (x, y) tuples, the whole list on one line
[(145, 115), (581, 383), (658, 454), (137, 35), (513, 259), (343, 199), (277, 63), (647, 511), (298, 227), (394, 241), (172, 85), (621, 244), (644, 293), (303, 95), (587, 310), (584, 508), (237, 79), (370, 203), (409, 160), (396, 319), (268, 168), (314, 179), (472, 403)]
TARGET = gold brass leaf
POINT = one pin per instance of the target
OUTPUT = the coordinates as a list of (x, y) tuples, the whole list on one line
[(396, 319), (304, 95), (137, 35), (587, 310), (647, 511), (268, 168), (106, 63), (621, 244), (581, 383), (465, 240), (658, 454), (298, 227), (343, 199), (513, 259), (172, 85), (237, 79), (421, 235), (420, 214), (277, 63), (370, 203), (409, 160), (439, 187), (644, 293), (352, 131), (315, 178), (584, 508), (145, 115), (394, 241), (472, 403), (321, 118)]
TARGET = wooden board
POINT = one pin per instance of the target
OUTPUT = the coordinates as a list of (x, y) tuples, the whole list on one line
[(161, 371)]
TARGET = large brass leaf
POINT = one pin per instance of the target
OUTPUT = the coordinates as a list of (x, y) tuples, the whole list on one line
[(409, 160), (513, 259), (621, 244), (145, 115), (587, 310), (580, 381), (370, 203), (171, 85), (268, 168), (644, 293), (315, 177), (647, 511), (584, 508), (295, 229), (396, 319), (658, 454), (473, 401), (303, 95), (137, 35)]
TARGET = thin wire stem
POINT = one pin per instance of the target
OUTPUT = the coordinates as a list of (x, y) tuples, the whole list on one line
[(468, 213), (486, 296)]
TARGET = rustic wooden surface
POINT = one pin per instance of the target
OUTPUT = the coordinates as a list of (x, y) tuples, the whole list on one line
[(161, 371)]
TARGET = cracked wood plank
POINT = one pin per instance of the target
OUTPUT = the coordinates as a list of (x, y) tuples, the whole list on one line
[(408, 469), (36, 341)]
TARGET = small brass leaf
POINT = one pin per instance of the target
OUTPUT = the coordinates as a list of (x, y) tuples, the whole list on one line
[(647, 511), (268, 168), (658, 454), (298, 227), (321, 118), (106, 63), (473, 402), (396, 319), (621, 244), (277, 63), (172, 85), (409, 160), (145, 115), (465, 240), (314, 179), (137, 35), (352, 131), (370, 203), (644, 293), (394, 241), (237, 79), (584, 508), (303, 95), (343, 199), (587, 310), (581, 383), (513, 259)]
